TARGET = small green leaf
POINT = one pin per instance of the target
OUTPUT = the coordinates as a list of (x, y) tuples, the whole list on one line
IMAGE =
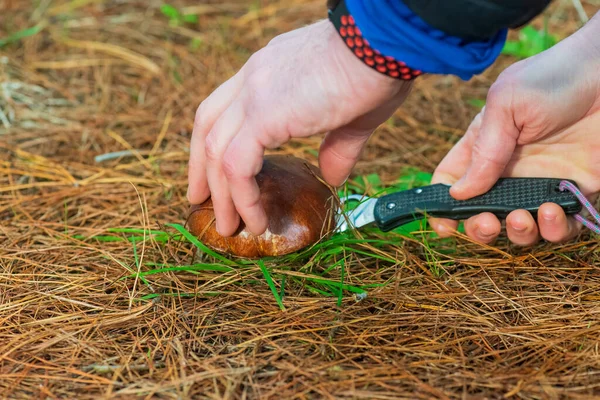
[(177, 76), (190, 18), (170, 12), (478, 103), (529, 34), (195, 44), (530, 42), (512, 47)]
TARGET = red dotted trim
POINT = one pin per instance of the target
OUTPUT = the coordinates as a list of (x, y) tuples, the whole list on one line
[(347, 29)]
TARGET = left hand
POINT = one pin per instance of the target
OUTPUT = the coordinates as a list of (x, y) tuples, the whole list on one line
[(540, 120)]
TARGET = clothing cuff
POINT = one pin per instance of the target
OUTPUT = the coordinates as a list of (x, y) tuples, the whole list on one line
[(394, 30)]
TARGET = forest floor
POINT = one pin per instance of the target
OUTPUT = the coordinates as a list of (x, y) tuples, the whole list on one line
[(101, 297)]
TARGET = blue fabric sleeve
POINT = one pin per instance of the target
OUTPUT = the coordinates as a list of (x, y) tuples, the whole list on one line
[(393, 29)]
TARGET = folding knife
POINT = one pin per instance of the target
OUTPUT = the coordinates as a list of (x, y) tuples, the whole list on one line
[(508, 194)]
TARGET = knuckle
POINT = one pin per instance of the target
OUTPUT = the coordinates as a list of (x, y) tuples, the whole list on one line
[(257, 60), (278, 39), (234, 170), (200, 117), (211, 148), (230, 168), (496, 95), (252, 202), (480, 153), (501, 91), (259, 79), (274, 41)]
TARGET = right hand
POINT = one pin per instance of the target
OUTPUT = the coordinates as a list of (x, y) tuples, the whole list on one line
[(303, 83), (541, 119)]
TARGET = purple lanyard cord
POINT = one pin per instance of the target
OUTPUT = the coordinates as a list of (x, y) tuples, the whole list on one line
[(566, 185)]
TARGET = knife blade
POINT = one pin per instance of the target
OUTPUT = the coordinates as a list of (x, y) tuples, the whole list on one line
[(508, 194)]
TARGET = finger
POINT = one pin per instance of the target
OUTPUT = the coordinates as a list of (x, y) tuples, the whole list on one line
[(483, 228), (493, 147), (450, 169), (521, 228), (339, 152), (554, 225), (242, 161), (341, 148), (217, 141), (207, 114), (443, 227)]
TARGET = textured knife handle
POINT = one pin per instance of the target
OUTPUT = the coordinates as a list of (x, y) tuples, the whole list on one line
[(507, 195)]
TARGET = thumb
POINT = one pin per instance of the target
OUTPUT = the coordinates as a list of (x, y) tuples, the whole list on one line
[(343, 146), (492, 149), (340, 151)]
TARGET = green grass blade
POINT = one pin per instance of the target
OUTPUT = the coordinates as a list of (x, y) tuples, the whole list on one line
[(15, 37), (282, 291), (335, 284), (137, 263), (341, 292), (198, 244), (333, 266), (313, 289), (271, 284), (100, 238), (137, 230)]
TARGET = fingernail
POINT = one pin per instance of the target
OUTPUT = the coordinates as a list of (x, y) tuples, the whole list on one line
[(549, 217), (456, 186)]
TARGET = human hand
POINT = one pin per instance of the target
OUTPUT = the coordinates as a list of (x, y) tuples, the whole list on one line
[(541, 119), (302, 83)]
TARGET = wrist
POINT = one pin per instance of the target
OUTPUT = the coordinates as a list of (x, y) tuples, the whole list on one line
[(354, 71), (352, 37)]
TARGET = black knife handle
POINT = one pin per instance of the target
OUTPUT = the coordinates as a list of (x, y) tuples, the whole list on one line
[(507, 195)]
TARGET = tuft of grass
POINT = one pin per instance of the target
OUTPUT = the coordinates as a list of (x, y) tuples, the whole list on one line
[(321, 268)]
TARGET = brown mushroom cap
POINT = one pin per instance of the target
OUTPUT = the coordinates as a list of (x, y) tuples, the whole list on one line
[(300, 209)]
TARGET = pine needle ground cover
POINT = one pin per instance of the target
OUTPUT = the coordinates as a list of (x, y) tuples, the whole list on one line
[(105, 294)]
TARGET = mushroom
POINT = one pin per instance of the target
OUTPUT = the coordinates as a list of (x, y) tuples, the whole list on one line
[(300, 209)]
